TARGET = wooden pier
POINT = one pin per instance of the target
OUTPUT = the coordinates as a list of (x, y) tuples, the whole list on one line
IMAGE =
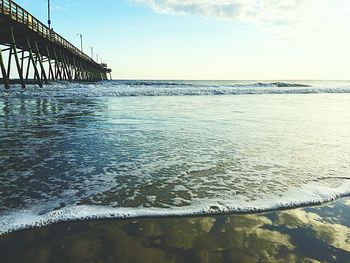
[(38, 54)]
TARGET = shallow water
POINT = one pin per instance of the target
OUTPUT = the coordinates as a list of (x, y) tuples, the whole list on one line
[(310, 235), (129, 149)]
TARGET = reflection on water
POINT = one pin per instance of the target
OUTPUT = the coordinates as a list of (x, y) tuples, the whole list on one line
[(42, 147), (317, 234)]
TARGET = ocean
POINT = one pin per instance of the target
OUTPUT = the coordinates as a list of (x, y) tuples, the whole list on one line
[(126, 149)]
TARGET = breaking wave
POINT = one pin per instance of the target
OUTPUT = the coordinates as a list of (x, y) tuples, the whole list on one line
[(173, 88), (312, 194)]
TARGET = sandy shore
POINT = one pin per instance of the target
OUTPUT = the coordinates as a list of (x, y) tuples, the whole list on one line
[(313, 234)]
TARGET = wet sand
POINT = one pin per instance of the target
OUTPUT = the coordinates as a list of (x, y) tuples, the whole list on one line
[(313, 234)]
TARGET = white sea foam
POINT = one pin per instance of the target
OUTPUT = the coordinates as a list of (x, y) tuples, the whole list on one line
[(311, 194), (173, 88)]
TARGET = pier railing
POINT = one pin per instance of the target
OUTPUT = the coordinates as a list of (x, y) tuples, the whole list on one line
[(20, 15)]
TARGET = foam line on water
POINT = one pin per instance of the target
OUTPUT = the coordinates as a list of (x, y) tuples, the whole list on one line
[(154, 88), (312, 194)]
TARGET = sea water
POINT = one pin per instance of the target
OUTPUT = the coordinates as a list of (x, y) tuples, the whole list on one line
[(121, 149)]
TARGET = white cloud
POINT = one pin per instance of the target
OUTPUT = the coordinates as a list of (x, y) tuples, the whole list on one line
[(286, 19)]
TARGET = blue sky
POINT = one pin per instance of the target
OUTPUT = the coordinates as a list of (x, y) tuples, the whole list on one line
[(192, 39)]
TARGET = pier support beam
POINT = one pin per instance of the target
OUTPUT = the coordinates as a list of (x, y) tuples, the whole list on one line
[(5, 78), (36, 72), (57, 65), (9, 62), (18, 64), (39, 58), (51, 74)]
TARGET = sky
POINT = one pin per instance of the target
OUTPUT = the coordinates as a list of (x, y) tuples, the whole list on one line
[(209, 39)]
